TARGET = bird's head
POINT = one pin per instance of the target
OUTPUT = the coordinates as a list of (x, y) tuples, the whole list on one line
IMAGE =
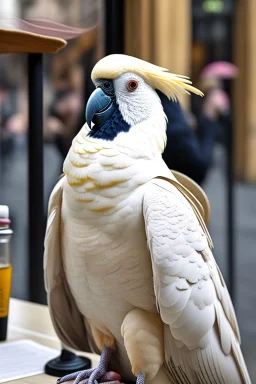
[(126, 100)]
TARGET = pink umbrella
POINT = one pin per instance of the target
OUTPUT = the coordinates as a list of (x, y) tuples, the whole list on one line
[(220, 70)]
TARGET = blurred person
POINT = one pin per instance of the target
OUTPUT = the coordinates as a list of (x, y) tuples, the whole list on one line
[(7, 110), (213, 89), (16, 125), (6, 105), (189, 150), (71, 77), (65, 110), (214, 94), (62, 119)]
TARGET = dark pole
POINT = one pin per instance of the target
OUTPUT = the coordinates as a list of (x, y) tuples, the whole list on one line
[(35, 177), (230, 211), (231, 252), (114, 26)]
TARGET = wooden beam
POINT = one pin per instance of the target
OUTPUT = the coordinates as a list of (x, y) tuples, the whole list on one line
[(172, 37), (146, 29), (239, 89), (132, 30), (250, 97), (159, 31), (244, 91)]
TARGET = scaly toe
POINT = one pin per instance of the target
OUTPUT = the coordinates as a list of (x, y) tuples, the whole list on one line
[(140, 378), (74, 376), (97, 374), (91, 374)]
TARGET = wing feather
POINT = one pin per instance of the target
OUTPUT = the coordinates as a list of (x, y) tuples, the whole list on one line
[(201, 332), (69, 324)]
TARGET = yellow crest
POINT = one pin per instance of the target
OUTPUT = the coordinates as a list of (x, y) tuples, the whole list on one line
[(112, 66)]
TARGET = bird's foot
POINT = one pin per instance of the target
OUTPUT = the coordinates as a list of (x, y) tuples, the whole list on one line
[(140, 378), (93, 376)]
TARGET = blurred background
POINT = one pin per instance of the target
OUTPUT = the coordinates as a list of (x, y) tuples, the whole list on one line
[(213, 42)]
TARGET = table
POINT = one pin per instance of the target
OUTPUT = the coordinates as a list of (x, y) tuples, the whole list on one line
[(32, 321)]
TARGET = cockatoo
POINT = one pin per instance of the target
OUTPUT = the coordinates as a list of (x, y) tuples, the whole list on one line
[(129, 270)]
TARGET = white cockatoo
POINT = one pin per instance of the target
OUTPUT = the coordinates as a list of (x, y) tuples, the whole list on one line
[(129, 270)]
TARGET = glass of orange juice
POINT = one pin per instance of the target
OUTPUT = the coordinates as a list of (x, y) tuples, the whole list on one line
[(5, 269)]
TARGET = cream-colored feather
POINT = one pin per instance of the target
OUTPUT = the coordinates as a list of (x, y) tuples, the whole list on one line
[(200, 211), (201, 332), (69, 324)]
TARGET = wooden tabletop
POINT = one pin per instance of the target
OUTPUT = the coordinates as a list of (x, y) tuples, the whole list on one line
[(32, 321)]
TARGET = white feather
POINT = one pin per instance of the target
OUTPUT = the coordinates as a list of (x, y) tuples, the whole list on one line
[(201, 339)]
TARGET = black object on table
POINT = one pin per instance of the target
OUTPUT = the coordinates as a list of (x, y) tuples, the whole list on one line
[(66, 363)]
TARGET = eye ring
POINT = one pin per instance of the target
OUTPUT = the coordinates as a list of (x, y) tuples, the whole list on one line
[(132, 85), (106, 84)]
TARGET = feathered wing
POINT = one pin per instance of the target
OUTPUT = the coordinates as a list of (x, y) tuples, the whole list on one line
[(202, 342), (68, 322)]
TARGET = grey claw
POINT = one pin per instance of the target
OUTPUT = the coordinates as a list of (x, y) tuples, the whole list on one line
[(68, 377)]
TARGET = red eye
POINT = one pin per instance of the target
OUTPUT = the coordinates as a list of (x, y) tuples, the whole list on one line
[(132, 85)]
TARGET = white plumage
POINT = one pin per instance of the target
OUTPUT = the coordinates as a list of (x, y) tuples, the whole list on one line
[(201, 332), (128, 264)]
